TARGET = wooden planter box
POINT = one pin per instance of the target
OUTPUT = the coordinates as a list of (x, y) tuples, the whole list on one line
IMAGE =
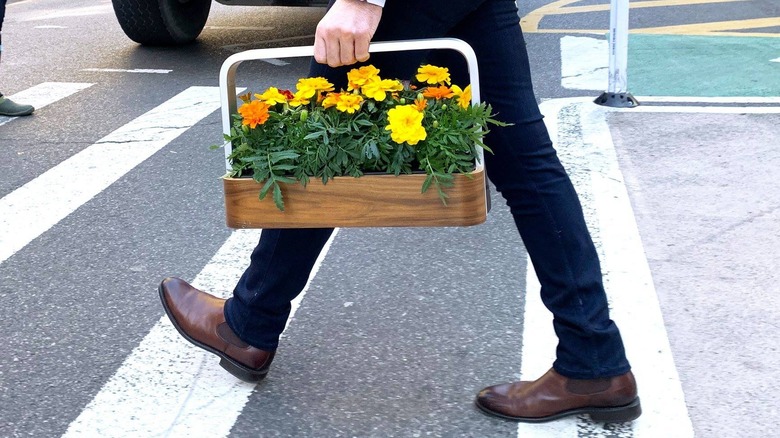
[(368, 201)]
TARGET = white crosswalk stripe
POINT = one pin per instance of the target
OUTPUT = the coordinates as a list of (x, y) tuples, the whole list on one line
[(64, 188), (44, 94)]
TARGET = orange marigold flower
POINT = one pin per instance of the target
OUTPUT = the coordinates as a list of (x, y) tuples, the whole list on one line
[(254, 113), (420, 103), (464, 95), (440, 92), (430, 74), (331, 100), (357, 77)]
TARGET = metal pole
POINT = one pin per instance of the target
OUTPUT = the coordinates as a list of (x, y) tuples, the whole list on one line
[(617, 94)]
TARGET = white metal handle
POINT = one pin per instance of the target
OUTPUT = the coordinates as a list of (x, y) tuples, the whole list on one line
[(227, 74)]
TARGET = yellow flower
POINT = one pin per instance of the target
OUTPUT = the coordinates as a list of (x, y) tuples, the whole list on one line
[(440, 92), (272, 96), (464, 96), (377, 89), (331, 100), (298, 100), (358, 77), (405, 124), (431, 74), (349, 103), (254, 113), (308, 87)]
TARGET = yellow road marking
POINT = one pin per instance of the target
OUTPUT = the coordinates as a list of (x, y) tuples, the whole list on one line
[(530, 22), (716, 27)]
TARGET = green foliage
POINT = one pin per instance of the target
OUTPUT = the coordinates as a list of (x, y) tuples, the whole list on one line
[(297, 143)]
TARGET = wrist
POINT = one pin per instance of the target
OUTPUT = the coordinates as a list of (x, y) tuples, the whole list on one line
[(380, 3)]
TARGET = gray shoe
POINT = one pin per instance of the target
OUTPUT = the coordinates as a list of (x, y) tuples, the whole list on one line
[(13, 109)]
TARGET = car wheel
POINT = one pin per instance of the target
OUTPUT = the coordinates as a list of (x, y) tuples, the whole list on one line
[(162, 22)]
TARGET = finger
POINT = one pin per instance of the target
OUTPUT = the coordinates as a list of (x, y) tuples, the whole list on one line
[(334, 52), (347, 54), (361, 50), (320, 51)]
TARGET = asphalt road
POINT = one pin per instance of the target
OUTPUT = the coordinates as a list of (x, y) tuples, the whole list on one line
[(400, 327)]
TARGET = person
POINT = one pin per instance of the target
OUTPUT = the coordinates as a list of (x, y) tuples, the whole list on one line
[(591, 374), (7, 106)]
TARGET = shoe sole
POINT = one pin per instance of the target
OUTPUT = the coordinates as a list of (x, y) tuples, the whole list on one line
[(612, 414), (230, 365)]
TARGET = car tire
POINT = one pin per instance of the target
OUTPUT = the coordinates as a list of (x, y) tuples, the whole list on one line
[(162, 22)]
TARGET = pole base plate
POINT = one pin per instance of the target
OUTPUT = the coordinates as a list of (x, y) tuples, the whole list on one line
[(617, 100)]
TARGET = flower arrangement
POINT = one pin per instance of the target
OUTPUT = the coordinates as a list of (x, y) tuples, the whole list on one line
[(376, 125)]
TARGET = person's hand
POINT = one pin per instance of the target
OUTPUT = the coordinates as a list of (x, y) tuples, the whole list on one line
[(345, 31)]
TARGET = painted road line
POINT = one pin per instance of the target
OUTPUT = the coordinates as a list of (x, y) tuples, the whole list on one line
[(122, 70), (167, 387), (585, 145), (65, 13), (70, 184), (530, 22), (276, 62), (629, 282), (251, 28), (720, 28), (45, 94), (50, 26), (705, 99), (584, 63), (270, 43), (708, 109), (774, 60)]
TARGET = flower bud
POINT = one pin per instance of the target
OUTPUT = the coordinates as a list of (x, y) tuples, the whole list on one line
[(245, 128), (444, 106), (402, 101), (435, 123), (304, 115)]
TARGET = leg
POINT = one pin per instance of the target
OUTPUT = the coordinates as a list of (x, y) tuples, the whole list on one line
[(591, 373), (546, 209), (279, 268), (244, 330)]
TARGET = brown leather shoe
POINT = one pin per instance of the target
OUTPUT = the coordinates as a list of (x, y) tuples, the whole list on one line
[(199, 317), (553, 396)]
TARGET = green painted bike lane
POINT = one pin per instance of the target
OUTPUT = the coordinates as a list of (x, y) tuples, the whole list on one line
[(688, 65)]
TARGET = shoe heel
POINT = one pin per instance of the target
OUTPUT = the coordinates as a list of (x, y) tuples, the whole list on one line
[(245, 375), (619, 414)]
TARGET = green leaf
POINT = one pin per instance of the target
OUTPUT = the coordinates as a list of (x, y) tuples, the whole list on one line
[(427, 183), (278, 197)]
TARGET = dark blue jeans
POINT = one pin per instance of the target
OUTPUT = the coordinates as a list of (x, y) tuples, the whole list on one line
[(524, 168)]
